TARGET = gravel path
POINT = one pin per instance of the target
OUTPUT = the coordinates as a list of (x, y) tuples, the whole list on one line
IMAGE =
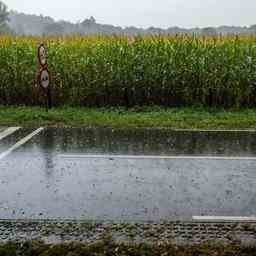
[(85, 231)]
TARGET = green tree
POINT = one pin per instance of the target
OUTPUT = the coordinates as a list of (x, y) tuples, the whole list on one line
[(4, 17), (4, 14), (209, 31), (88, 22), (253, 28), (5, 29), (53, 29)]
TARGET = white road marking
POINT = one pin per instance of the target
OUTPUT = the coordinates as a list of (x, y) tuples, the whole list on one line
[(8, 132), (138, 157), (216, 130), (20, 143), (223, 218)]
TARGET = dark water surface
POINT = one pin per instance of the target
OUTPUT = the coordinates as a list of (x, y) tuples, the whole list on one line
[(36, 182)]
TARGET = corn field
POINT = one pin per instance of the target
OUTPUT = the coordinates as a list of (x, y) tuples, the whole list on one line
[(128, 71)]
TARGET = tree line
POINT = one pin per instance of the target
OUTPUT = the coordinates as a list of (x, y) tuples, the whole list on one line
[(23, 24)]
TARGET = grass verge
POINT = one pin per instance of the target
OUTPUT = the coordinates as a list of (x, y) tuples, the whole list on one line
[(138, 117), (110, 248)]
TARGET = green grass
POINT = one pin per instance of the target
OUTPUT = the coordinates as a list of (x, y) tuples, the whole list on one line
[(147, 117), (111, 248)]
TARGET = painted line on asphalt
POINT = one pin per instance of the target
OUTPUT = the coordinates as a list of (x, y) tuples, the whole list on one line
[(8, 132), (20, 143), (200, 130), (215, 130), (138, 157), (223, 218)]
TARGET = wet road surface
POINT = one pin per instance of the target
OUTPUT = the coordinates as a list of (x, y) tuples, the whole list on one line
[(38, 181)]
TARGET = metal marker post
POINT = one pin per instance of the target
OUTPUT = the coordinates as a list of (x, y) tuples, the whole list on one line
[(44, 77), (42, 55)]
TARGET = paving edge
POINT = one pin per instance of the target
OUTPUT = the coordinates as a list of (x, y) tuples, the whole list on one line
[(178, 232)]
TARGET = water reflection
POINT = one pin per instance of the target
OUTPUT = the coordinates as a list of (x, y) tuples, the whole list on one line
[(160, 142), (46, 148)]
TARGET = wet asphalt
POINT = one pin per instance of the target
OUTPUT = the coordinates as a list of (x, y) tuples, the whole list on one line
[(36, 182)]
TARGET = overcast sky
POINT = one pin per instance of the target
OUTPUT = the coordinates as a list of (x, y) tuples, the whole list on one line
[(145, 13)]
